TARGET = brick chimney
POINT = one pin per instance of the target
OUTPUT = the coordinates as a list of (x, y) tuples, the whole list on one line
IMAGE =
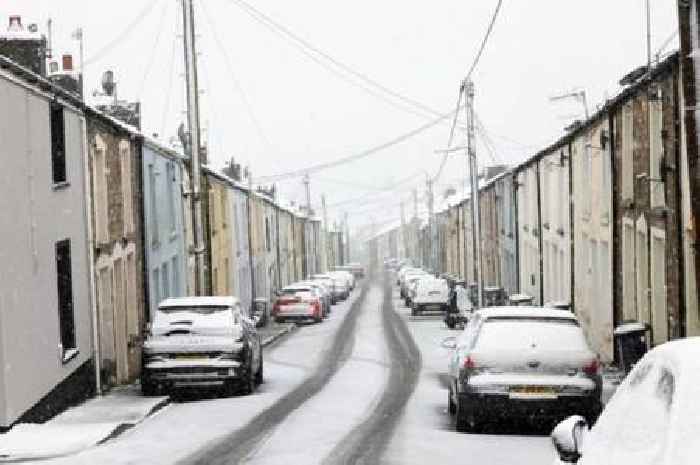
[(25, 47)]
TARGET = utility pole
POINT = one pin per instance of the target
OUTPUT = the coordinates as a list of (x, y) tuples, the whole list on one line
[(307, 183), (327, 244), (346, 257), (431, 240), (403, 232), (648, 37), (194, 145), (473, 174)]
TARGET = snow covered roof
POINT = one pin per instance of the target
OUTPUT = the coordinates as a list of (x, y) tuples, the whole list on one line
[(200, 301), (534, 312)]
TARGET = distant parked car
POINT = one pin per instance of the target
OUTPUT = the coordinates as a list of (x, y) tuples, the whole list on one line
[(325, 293), (653, 417), (337, 286), (202, 342), (298, 302), (346, 276), (405, 277), (410, 283), (429, 294), (357, 269), (521, 362)]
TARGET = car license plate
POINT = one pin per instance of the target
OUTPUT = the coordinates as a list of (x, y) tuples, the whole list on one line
[(533, 392), (188, 356)]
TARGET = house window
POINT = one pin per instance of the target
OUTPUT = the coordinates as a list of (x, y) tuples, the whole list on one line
[(627, 174), (642, 255), (656, 152), (156, 285), (101, 199), (658, 286), (267, 234), (176, 276), (152, 204), (165, 278), (125, 159), (64, 281), (58, 144), (171, 180)]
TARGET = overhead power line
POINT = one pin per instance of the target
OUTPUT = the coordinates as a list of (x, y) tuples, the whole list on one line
[(140, 16), (151, 58), (357, 156)]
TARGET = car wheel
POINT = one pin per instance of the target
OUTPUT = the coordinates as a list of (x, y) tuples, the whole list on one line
[(249, 383), (413, 311), (451, 407), (149, 388), (592, 413), (466, 422), (450, 323), (259, 375)]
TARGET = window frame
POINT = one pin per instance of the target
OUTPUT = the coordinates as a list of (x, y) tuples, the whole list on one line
[(65, 300)]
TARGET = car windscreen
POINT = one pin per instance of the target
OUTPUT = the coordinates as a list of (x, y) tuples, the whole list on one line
[(520, 333), (197, 309)]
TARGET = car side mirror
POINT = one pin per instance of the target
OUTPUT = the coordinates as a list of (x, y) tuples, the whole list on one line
[(567, 437), (449, 343)]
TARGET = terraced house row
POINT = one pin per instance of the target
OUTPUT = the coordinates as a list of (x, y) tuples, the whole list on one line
[(600, 219), (97, 229)]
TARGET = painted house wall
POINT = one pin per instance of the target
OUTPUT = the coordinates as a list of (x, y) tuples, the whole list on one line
[(221, 237), (593, 238), (507, 233), (166, 225), (30, 342), (528, 231), (240, 255), (115, 176), (556, 225)]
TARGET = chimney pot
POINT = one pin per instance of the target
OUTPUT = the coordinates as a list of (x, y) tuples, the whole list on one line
[(15, 23), (67, 62)]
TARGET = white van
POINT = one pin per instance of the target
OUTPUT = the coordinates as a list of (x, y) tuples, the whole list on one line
[(430, 294)]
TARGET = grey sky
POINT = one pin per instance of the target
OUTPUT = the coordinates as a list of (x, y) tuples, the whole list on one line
[(307, 115)]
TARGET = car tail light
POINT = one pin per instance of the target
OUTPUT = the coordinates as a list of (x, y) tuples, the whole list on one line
[(591, 368), (469, 363)]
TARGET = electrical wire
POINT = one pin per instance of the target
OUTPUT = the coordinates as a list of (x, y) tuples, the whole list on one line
[(140, 16), (235, 80), (357, 156), (151, 58), (169, 88)]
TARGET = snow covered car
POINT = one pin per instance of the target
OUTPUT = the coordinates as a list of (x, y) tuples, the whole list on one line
[(528, 362), (653, 417), (331, 284), (202, 342), (410, 284), (345, 276), (429, 294), (298, 302), (341, 288), (405, 278), (325, 293)]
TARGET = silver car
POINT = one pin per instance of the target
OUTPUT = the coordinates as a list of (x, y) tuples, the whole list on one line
[(522, 362)]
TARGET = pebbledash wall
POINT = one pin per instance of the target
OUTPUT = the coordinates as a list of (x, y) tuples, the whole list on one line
[(45, 319)]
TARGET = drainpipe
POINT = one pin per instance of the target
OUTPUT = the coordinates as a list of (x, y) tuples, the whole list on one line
[(539, 229), (87, 180)]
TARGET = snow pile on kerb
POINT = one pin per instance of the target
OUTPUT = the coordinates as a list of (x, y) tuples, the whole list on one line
[(79, 427)]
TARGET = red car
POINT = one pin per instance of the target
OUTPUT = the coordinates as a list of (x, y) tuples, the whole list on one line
[(300, 303)]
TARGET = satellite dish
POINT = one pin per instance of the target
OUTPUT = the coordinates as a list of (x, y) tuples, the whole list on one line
[(33, 28), (108, 83), (183, 136)]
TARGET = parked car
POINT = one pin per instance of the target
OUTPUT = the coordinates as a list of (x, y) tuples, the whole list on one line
[(521, 362), (298, 302), (201, 342), (325, 293), (357, 269), (337, 286), (345, 276), (402, 272), (410, 283), (653, 417), (429, 294)]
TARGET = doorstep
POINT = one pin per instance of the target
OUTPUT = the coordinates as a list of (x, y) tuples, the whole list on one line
[(93, 422)]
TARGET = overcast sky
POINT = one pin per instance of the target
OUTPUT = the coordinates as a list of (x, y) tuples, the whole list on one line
[(275, 109)]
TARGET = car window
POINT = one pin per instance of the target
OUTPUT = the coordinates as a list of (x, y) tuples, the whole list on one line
[(526, 333), (634, 426)]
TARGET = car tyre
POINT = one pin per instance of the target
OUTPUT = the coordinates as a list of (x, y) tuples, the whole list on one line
[(450, 323), (259, 375), (451, 407), (465, 422), (149, 388)]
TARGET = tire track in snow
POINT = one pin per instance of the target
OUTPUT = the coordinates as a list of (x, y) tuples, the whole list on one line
[(235, 447), (367, 441)]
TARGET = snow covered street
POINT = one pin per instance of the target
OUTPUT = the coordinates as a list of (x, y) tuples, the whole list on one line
[(366, 386)]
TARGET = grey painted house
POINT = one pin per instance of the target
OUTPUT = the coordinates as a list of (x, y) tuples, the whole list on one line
[(45, 302), (164, 225)]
